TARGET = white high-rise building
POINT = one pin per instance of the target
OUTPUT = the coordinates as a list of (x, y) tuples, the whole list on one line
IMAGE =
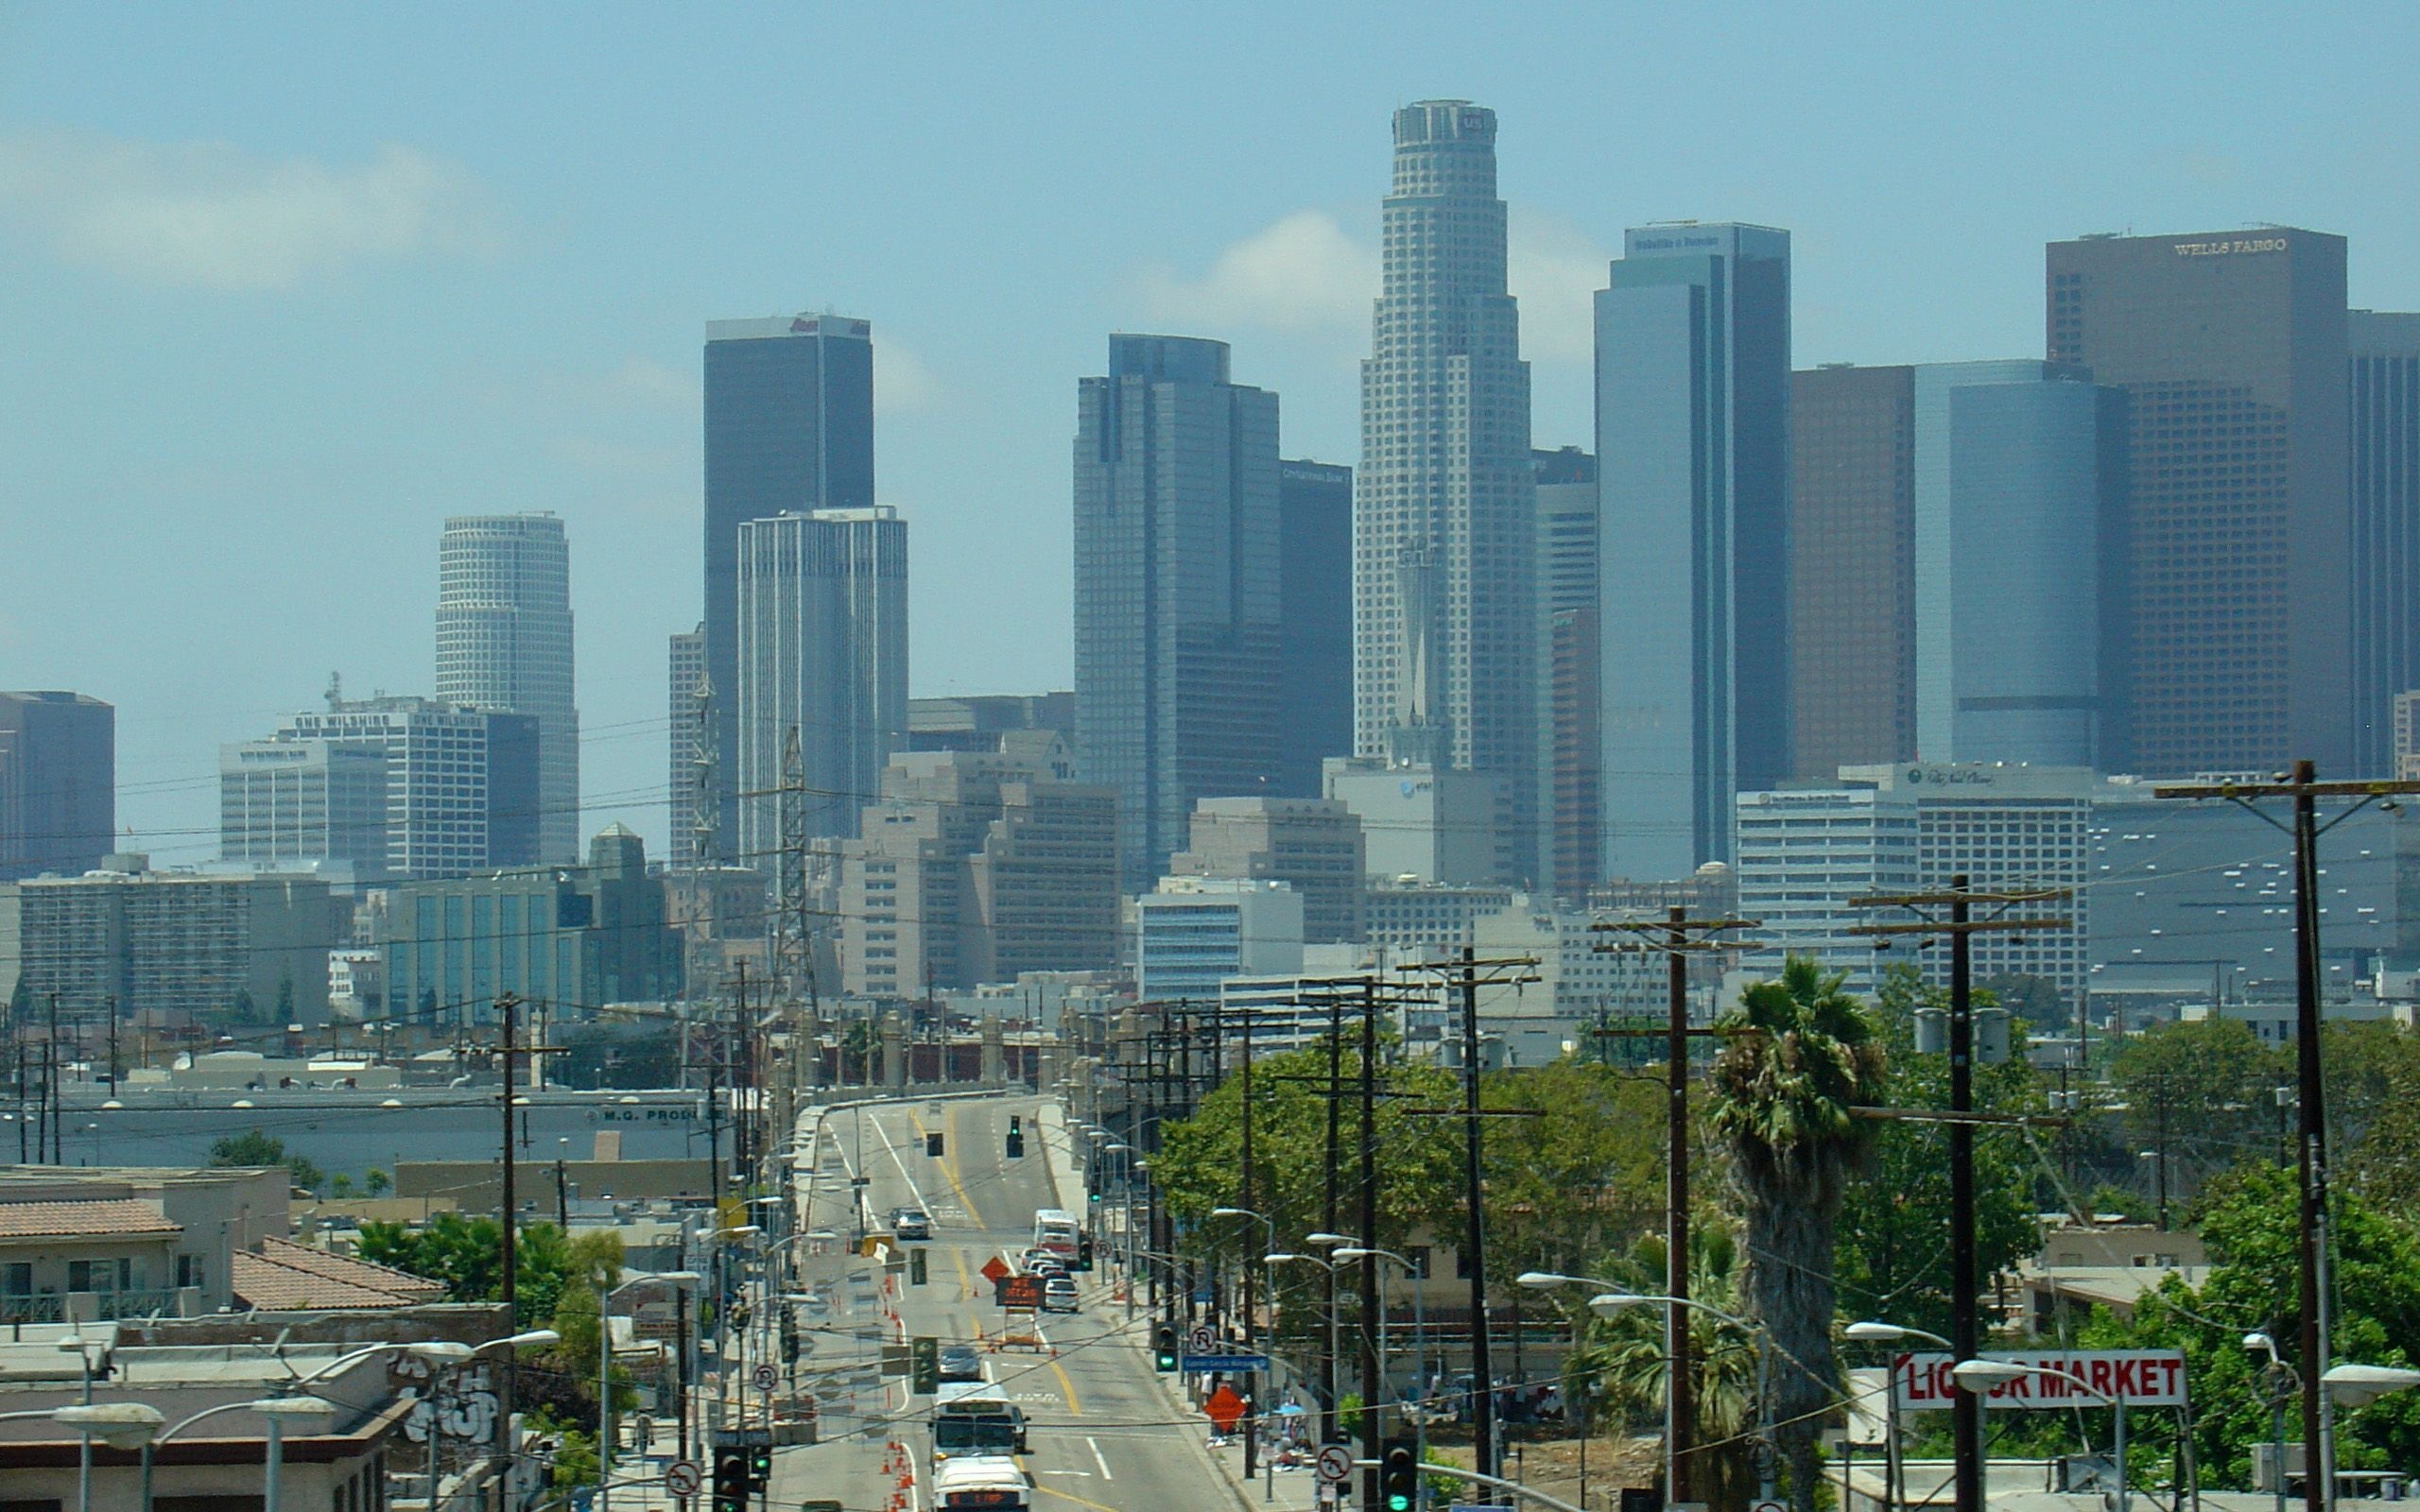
[(1444, 630), (822, 651), (504, 643)]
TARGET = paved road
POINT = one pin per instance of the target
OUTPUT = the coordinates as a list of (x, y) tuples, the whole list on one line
[(1106, 1434)]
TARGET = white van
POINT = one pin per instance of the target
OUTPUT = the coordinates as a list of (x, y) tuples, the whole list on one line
[(991, 1482)]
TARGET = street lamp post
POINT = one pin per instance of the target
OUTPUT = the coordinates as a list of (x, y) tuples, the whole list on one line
[(1875, 1331), (1979, 1378), (1412, 1276), (679, 1279), (121, 1424), (1252, 1422), (1328, 1340), (1608, 1303), (95, 1355)]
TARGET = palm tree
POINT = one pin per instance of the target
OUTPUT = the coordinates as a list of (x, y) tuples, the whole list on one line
[(1800, 1054), (1623, 1356)]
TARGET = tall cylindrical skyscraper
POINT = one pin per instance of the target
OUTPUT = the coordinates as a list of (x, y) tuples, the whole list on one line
[(1443, 571), (504, 643)]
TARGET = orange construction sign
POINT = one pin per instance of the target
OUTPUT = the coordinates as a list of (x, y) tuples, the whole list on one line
[(1224, 1409), (994, 1269)]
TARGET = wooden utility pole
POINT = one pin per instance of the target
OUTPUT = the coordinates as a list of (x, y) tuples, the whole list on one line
[(1966, 1322), (2302, 789), (1682, 937), (506, 1005)]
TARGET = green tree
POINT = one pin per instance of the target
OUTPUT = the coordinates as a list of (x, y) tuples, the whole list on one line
[(1798, 1056), (1584, 1176), (340, 1186), (254, 1148), (1893, 1259), (376, 1182), (2200, 1091), (285, 998), (2035, 1001), (1199, 1162)]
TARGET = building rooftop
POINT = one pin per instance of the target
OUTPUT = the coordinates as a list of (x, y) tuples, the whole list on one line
[(287, 1276), (49, 1220)]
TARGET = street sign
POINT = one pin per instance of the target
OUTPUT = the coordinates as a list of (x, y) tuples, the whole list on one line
[(683, 1478), (1202, 1365), (1764, 1506), (994, 1268), (1017, 1290), (1336, 1463), (765, 1376), (1203, 1340), (1224, 1409), (2139, 1377)]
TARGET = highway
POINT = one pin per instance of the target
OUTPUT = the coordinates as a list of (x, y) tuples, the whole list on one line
[(1106, 1434)]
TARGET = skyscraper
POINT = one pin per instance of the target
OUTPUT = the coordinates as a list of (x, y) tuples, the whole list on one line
[(1852, 568), (2231, 347), (789, 429), (1566, 482), (823, 654), (2385, 380), (1446, 631), (1693, 476), (58, 783), (461, 784), (685, 669), (504, 641), (1314, 689), (1177, 589)]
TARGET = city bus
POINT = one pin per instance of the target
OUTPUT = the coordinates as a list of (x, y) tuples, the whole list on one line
[(991, 1482), (974, 1418), (1055, 1233)]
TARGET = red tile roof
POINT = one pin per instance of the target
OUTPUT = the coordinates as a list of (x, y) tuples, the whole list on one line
[(63, 1220), (289, 1276)]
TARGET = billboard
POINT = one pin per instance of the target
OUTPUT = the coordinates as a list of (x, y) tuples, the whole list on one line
[(2139, 1377)]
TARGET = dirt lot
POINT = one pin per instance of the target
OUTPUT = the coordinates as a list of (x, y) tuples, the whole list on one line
[(1552, 1465)]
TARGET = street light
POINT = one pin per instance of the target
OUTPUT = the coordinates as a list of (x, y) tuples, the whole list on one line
[(605, 1374), (303, 1412), (1606, 1304), (445, 1355), (1874, 1331), (1413, 1276), (118, 1424), (1981, 1378), (95, 1355), (2356, 1385), (1327, 1357)]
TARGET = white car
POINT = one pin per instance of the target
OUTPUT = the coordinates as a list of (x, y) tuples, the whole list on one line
[(1059, 1293)]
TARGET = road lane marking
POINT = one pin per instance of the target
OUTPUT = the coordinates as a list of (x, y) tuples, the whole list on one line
[(1080, 1501), (1099, 1459), (1074, 1410)]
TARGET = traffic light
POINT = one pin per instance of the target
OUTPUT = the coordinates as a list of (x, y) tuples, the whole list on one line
[(1164, 1348), (1015, 1125), (731, 1480), (1398, 1475), (760, 1467), (1016, 1147), (1083, 1252), (925, 1365), (933, 1145), (790, 1337), (917, 1274)]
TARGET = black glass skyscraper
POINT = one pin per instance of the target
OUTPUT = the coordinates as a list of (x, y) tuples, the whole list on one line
[(1177, 589), (790, 427), (1315, 699)]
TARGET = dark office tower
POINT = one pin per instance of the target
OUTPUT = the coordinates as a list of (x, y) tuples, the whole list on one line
[(2230, 345), (1315, 552), (1693, 469), (1177, 589), (2385, 380), (1567, 554), (58, 784), (789, 429), (1852, 568), (1444, 610), (684, 675)]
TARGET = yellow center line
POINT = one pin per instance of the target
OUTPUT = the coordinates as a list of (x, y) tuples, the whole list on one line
[(949, 1169), (1070, 1496), (1068, 1386)]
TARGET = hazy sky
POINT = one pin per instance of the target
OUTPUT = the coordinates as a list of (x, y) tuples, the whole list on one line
[(281, 286)]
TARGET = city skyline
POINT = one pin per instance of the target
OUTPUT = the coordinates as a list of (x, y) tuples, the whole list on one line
[(483, 303)]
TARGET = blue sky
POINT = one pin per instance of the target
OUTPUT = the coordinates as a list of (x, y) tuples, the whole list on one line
[(282, 285)]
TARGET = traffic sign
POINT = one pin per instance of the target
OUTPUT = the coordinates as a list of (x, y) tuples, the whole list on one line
[(994, 1268), (683, 1478), (1203, 1340), (1769, 1506), (1336, 1463), (1017, 1290), (765, 1377), (1224, 1409), (1202, 1365)]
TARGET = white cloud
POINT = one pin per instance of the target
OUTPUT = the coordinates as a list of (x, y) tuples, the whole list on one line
[(211, 216), (1303, 274), (1554, 268), (902, 383)]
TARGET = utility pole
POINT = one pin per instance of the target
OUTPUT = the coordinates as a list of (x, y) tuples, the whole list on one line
[(1372, 1319), (2302, 789), (1683, 937), (1966, 1322), (505, 1005)]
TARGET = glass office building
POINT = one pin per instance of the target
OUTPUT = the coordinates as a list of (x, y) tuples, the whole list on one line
[(1693, 463), (504, 641), (789, 429)]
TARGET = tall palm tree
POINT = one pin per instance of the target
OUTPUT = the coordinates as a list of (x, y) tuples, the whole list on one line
[(1799, 1055)]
